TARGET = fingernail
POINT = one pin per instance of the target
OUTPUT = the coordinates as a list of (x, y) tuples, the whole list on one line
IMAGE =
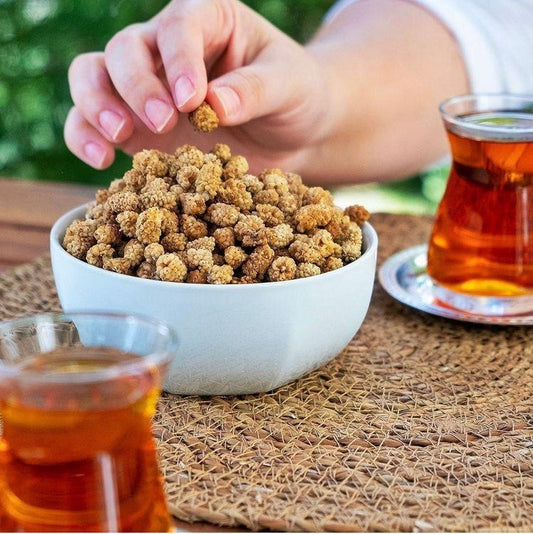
[(229, 100), (184, 90), (159, 113), (95, 153), (112, 123)]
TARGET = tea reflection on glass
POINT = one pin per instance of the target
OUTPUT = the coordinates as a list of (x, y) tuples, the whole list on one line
[(481, 248), (77, 394)]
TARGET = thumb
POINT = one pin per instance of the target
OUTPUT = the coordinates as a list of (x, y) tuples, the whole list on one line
[(248, 93)]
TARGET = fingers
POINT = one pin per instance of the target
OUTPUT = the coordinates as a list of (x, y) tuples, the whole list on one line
[(235, 42), (86, 142), (247, 93), (190, 35), (136, 80), (150, 71), (182, 52), (95, 98)]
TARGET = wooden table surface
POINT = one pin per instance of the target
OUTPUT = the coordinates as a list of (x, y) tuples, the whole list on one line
[(27, 212)]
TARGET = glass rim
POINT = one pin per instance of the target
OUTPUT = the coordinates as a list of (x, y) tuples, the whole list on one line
[(487, 102), (114, 371)]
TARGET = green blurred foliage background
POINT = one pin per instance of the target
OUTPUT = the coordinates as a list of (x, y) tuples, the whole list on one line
[(39, 39)]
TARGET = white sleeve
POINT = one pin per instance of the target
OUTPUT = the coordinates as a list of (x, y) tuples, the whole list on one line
[(495, 37)]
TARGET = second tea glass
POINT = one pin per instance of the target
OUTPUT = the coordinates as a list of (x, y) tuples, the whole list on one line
[(77, 394)]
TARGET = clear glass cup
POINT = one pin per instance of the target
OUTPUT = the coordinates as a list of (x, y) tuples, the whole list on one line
[(77, 394), (481, 248)]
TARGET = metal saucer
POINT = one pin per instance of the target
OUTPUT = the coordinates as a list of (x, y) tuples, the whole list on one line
[(404, 277)]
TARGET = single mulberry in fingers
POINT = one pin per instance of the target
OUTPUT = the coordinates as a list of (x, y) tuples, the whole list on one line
[(203, 118)]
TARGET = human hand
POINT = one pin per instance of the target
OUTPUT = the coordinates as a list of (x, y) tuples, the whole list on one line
[(261, 83)]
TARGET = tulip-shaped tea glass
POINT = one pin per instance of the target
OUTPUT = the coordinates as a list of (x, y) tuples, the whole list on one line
[(77, 394), (481, 249)]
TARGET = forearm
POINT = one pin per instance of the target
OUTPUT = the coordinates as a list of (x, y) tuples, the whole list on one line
[(388, 64)]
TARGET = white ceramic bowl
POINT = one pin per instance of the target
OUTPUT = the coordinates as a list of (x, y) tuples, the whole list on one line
[(232, 339)]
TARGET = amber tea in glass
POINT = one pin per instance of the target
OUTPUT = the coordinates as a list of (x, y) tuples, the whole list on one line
[(481, 248), (77, 394)]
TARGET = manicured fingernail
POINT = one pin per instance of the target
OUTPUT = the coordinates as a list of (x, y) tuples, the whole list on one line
[(159, 113), (184, 90), (112, 123), (95, 153), (229, 100)]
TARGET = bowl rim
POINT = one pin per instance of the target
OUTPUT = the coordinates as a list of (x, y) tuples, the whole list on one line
[(58, 230)]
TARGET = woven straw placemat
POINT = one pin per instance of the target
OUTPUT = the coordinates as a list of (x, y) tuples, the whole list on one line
[(420, 424)]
